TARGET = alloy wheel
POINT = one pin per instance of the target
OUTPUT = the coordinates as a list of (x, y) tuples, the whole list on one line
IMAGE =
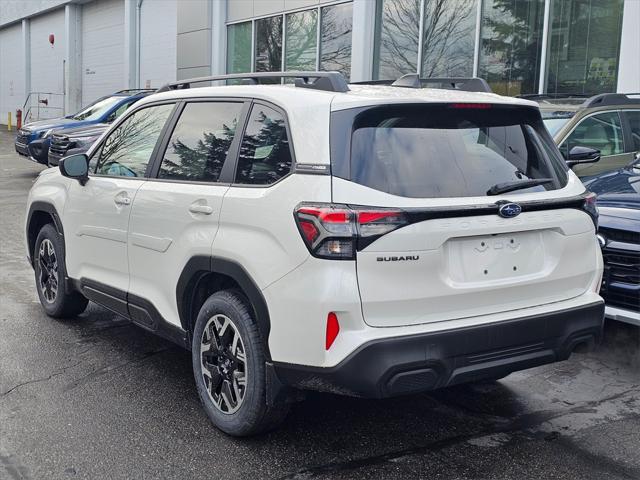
[(48, 275), (223, 363)]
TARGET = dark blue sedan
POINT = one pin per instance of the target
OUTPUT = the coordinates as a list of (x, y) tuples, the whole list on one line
[(33, 139)]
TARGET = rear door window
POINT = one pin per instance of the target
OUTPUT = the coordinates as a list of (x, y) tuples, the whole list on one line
[(633, 116), (451, 150), (200, 141)]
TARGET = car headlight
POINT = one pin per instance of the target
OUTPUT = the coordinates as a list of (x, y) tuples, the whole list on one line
[(46, 134), (84, 140)]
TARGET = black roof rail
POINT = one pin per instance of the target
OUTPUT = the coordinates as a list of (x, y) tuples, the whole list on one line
[(473, 84), (327, 81), (136, 90), (606, 99), (373, 82)]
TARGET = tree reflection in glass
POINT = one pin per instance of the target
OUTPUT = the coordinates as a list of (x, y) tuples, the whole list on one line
[(264, 153), (127, 150), (200, 142), (335, 38)]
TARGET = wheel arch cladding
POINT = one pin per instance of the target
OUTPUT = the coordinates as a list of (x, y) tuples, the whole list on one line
[(203, 274), (40, 214)]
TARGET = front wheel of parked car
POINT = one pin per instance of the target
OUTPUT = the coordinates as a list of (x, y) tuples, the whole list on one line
[(229, 367), (50, 272)]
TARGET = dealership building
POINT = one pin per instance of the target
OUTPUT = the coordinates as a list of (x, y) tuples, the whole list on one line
[(59, 55)]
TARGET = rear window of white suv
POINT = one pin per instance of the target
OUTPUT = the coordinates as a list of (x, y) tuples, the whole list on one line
[(445, 150)]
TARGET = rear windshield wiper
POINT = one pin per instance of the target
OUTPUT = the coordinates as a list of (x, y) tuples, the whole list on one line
[(499, 188)]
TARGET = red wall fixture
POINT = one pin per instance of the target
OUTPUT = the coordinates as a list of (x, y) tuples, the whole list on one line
[(52, 39)]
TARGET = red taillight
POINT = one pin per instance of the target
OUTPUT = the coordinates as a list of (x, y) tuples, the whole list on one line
[(336, 231), (477, 106), (333, 328)]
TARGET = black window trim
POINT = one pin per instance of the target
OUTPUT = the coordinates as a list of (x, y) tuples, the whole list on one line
[(122, 119), (627, 133), (225, 175), (292, 170)]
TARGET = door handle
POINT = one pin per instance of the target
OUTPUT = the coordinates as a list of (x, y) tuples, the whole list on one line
[(122, 200), (200, 208)]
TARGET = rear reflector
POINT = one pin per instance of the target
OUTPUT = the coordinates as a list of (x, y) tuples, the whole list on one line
[(478, 106), (333, 328)]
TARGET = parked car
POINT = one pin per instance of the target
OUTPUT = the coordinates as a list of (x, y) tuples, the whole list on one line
[(619, 235), (366, 240), (73, 141), (33, 139), (609, 123)]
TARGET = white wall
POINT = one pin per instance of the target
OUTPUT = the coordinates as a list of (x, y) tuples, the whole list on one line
[(629, 72), (47, 67), (15, 10), (102, 49), (158, 33), (11, 72)]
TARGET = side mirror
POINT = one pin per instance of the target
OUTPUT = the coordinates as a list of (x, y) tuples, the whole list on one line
[(76, 166), (580, 155)]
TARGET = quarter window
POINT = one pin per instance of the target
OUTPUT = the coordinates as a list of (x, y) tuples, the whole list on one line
[(265, 156), (127, 150), (634, 122), (602, 132), (200, 141)]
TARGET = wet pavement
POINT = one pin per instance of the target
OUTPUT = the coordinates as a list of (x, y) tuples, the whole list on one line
[(96, 397)]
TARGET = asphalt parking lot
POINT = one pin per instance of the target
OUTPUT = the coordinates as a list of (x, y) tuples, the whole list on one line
[(97, 397)]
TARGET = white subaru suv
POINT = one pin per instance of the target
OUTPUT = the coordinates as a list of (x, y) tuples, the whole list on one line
[(366, 240)]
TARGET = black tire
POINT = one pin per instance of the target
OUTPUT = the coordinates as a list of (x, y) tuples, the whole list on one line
[(253, 415), (65, 303)]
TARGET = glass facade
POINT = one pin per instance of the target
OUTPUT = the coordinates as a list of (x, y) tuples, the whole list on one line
[(511, 45), (268, 44), (584, 45), (498, 40), (239, 48), (335, 38), (302, 40)]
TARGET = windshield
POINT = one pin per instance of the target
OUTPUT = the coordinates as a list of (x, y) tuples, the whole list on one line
[(454, 150), (97, 109), (554, 124)]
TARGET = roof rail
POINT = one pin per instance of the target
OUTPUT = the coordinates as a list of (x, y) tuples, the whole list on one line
[(136, 90), (473, 84), (327, 81), (606, 99)]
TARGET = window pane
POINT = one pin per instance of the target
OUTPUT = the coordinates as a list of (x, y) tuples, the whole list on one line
[(396, 42), (511, 45), (200, 142), (335, 38), (436, 151), (269, 44), (302, 36), (127, 150), (584, 46), (239, 48), (634, 122), (449, 38), (602, 132), (264, 153)]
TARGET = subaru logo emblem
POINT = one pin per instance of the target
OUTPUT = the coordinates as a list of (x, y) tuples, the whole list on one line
[(509, 210)]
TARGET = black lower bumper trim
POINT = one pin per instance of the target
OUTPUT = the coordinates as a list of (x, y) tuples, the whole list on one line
[(402, 365)]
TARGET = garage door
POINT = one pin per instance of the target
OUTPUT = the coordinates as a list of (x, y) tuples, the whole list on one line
[(47, 64), (102, 49), (158, 34), (12, 71)]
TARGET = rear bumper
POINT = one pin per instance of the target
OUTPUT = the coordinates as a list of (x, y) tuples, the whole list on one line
[(402, 365)]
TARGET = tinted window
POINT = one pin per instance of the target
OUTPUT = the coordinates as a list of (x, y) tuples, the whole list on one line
[(431, 152), (118, 111), (97, 109), (634, 122), (269, 44), (200, 142), (602, 132), (265, 156), (127, 150)]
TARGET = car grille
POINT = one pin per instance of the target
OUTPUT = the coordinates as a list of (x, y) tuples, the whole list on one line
[(22, 137), (621, 279), (59, 145)]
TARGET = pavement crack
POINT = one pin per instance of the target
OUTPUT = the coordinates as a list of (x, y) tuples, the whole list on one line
[(38, 380)]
